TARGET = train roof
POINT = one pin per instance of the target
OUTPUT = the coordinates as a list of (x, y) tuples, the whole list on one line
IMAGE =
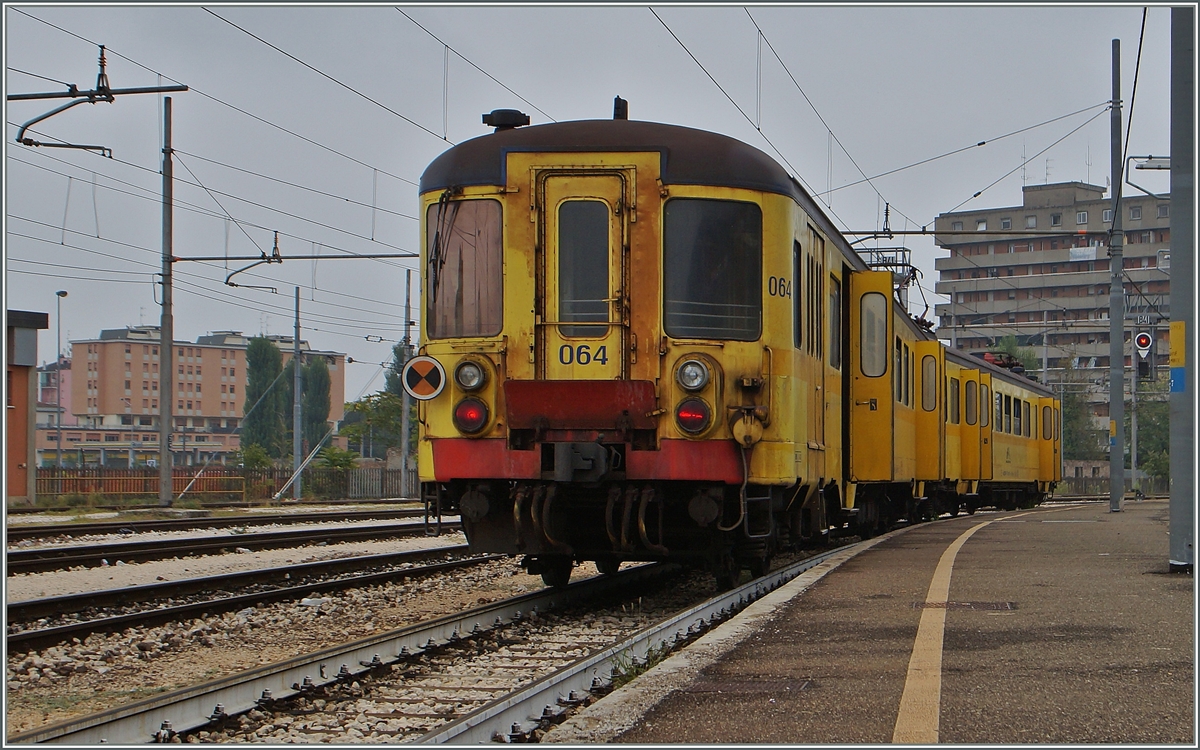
[(688, 157), (975, 363)]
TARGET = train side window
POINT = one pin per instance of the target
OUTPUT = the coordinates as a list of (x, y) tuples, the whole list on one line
[(583, 266), (972, 401), (1047, 425), (1017, 416), (898, 375), (835, 323), (1025, 417), (928, 382), (985, 405), (798, 299), (954, 401), (999, 413), (873, 336), (466, 275), (1056, 435), (712, 269), (907, 378), (1008, 414)]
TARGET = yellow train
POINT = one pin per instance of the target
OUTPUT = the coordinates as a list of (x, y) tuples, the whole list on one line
[(644, 342)]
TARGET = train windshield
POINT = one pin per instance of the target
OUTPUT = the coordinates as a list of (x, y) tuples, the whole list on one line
[(712, 269), (465, 275)]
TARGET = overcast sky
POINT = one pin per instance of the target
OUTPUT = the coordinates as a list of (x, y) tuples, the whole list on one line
[(356, 101)]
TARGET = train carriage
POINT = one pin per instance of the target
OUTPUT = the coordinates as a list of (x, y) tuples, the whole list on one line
[(644, 342)]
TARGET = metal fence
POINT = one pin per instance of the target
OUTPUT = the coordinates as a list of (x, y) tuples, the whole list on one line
[(1073, 486), (224, 483)]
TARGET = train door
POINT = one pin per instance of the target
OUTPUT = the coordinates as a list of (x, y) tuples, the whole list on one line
[(870, 385), (969, 431), (985, 426), (582, 305), (931, 436), (1047, 447)]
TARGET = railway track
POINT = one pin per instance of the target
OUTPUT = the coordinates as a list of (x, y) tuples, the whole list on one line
[(59, 558), (548, 664), (50, 531), (210, 595)]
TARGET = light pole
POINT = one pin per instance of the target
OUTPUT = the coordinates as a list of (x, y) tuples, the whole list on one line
[(58, 377)]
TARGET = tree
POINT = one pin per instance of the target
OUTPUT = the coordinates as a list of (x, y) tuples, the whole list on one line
[(1026, 356), (253, 456), (1154, 428), (374, 420), (263, 424), (392, 378), (333, 457), (1081, 441), (315, 401)]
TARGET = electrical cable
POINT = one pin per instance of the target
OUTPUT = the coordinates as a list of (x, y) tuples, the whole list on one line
[(331, 319), (35, 75), (194, 90), (1019, 166), (183, 273), (985, 142), (331, 78), (476, 67), (195, 208), (763, 135), (290, 184)]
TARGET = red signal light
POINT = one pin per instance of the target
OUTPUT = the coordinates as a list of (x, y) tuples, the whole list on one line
[(1143, 341), (693, 415), (470, 415)]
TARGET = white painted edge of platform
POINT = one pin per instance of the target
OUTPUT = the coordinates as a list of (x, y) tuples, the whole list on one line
[(619, 711)]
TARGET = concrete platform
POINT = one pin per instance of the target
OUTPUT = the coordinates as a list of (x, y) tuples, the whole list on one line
[(1057, 625)]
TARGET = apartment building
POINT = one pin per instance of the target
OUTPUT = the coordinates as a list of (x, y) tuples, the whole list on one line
[(1051, 290), (115, 396)]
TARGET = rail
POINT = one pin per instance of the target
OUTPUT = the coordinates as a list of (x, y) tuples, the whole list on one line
[(78, 486)]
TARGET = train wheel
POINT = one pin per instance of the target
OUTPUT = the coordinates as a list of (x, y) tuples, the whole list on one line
[(608, 566), (955, 508), (727, 571), (556, 571), (760, 566)]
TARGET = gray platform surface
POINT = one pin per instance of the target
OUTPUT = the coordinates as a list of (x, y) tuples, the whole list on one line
[(1063, 626)]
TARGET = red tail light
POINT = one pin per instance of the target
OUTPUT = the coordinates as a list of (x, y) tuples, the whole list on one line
[(470, 415), (693, 415)]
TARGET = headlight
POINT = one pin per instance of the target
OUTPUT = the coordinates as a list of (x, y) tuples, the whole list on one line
[(693, 416), (470, 415), (692, 375), (469, 375)]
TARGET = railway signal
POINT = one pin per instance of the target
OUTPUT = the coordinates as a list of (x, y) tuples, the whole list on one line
[(1143, 341)]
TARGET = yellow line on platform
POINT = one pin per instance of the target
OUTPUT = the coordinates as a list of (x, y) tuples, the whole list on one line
[(921, 704)]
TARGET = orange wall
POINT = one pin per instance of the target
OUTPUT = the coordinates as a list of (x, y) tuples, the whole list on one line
[(19, 411), (109, 360)]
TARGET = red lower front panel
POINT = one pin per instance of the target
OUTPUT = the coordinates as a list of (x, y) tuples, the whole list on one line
[(490, 458)]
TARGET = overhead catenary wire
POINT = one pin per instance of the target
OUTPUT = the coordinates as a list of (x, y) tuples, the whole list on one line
[(320, 316), (322, 73), (1039, 153), (795, 172), (217, 100), (182, 273), (153, 196), (817, 112), (289, 184), (978, 144), (35, 75), (476, 67)]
